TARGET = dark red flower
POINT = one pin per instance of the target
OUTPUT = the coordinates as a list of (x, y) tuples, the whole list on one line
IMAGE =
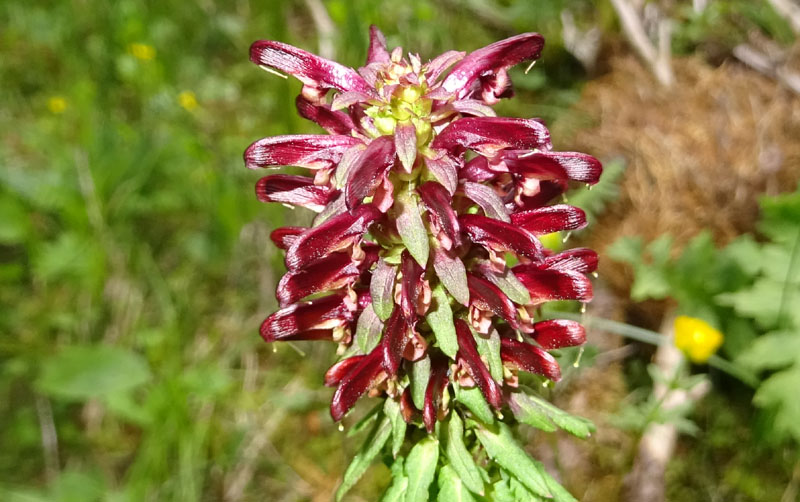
[(409, 230)]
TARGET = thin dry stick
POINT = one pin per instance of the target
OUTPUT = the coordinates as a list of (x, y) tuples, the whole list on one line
[(325, 28), (790, 11), (47, 428), (760, 62), (658, 59)]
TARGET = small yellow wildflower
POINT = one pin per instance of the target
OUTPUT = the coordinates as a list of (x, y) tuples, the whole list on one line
[(143, 52), (187, 100), (57, 105), (696, 338)]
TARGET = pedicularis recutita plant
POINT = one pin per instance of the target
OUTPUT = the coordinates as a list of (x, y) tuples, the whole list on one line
[(424, 197)]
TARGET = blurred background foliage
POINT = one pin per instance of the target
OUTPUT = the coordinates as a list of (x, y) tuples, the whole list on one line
[(135, 264)]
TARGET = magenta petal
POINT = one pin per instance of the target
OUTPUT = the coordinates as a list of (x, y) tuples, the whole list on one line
[(442, 62), (468, 353), (582, 260), (558, 333), (491, 59), (395, 339), (487, 199), (444, 168), (500, 236), (310, 69), (331, 121), (303, 321), (477, 171), (377, 52), (312, 151), (529, 358), (333, 235), (489, 298), (488, 135), (433, 392), (331, 272), (283, 237), (438, 202), (473, 107), (405, 140), (554, 165), (545, 220), (550, 285), (365, 374), (366, 173), (410, 286), (338, 371), (295, 190)]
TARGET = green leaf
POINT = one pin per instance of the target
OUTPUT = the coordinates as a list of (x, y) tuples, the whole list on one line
[(762, 302), (14, 222), (660, 249), (411, 228), (397, 490), (85, 372), (440, 319), (650, 282), (392, 410), (780, 392), (511, 286), (626, 249), (375, 412), (746, 253), (420, 376), (489, 349), (381, 289), (451, 488), (451, 272), (366, 454), (527, 412), (577, 426), (368, 330), (473, 399), (460, 458), (501, 446), (772, 351), (420, 468)]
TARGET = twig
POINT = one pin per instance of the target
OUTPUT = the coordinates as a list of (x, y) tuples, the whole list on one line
[(584, 45), (325, 28), (47, 428), (790, 11), (659, 58), (760, 62)]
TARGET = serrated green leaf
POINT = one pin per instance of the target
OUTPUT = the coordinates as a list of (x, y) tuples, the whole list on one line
[(626, 249), (440, 319), (420, 467), (381, 289), (14, 222), (92, 371), (460, 458), (746, 253), (660, 249), (368, 330), (473, 399), (411, 228), (501, 446), (397, 490), (772, 350), (489, 349), (392, 410), (451, 487), (451, 272), (577, 426), (780, 392), (763, 301), (366, 454), (362, 424), (420, 376)]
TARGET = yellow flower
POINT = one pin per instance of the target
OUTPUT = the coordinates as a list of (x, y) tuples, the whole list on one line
[(142, 51), (57, 105), (696, 338), (187, 100)]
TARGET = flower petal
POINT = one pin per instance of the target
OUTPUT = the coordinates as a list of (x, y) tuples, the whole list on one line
[(558, 333), (473, 107), (548, 189), (307, 321), (312, 151), (444, 168), (582, 260), (335, 234), (331, 121), (310, 69), (488, 135), (364, 375), (411, 287), (338, 371), (491, 59), (395, 339), (477, 171), (549, 219), (529, 358), (377, 52), (442, 62), (433, 392), (468, 353), (556, 165), (283, 237), (550, 285), (488, 200), (332, 272), (489, 298), (368, 170), (500, 236), (438, 203), (295, 190)]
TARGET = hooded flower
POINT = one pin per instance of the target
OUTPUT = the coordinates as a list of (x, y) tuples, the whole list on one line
[(422, 194)]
